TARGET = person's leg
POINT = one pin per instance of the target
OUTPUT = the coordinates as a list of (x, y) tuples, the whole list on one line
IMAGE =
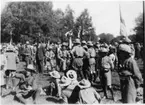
[(21, 98), (36, 96), (111, 91), (81, 72)]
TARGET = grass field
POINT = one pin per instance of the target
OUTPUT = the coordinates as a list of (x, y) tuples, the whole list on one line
[(44, 81)]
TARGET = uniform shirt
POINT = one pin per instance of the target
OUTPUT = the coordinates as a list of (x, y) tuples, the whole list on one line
[(130, 67), (50, 54), (112, 57), (92, 55), (78, 51), (106, 63), (28, 51), (88, 96), (12, 59), (63, 54)]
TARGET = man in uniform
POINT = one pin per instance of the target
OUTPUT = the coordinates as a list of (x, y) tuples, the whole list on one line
[(64, 56), (28, 54), (92, 55), (40, 53), (130, 76), (78, 53), (12, 59)]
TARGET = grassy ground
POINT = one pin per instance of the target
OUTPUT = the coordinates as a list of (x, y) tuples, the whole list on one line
[(44, 81)]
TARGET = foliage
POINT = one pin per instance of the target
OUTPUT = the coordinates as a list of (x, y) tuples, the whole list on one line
[(106, 37), (139, 28), (38, 21)]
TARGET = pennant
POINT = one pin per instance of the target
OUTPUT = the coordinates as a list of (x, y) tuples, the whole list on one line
[(123, 31)]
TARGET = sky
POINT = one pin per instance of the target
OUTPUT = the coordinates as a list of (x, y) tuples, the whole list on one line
[(105, 14)]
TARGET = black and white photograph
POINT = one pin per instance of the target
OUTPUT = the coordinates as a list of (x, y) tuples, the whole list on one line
[(72, 52)]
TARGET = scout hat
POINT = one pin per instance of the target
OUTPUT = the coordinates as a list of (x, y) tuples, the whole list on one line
[(90, 43), (84, 84), (84, 42), (104, 50), (64, 44), (126, 40), (27, 42), (55, 74), (64, 81), (125, 48), (77, 41), (72, 75), (31, 68)]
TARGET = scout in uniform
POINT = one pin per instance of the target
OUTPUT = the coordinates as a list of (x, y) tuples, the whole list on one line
[(87, 94), (78, 53), (28, 54), (12, 60), (69, 89), (50, 59), (106, 65), (85, 61), (130, 76), (55, 89), (64, 56), (92, 55), (28, 87)]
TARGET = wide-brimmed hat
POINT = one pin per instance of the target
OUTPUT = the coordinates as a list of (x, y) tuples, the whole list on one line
[(84, 42), (105, 50), (90, 43), (77, 41), (126, 40), (64, 44), (27, 42), (55, 74), (84, 84), (125, 48), (31, 68), (72, 75), (10, 48), (64, 81)]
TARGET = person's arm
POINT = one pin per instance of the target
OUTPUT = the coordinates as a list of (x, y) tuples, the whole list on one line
[(97, 95), (111, 63), (136, 73), (59, 89)]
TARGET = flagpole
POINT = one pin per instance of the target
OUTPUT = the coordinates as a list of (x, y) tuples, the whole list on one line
[(144, 48)]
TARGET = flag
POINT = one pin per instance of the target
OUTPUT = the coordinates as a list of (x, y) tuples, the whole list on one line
[(123, 31)]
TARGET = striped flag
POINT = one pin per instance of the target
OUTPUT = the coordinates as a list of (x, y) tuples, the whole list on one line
[(123, 31)]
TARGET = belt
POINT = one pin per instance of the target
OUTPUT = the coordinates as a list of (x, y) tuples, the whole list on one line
[(79, 57), (123, 77), (92, 57)]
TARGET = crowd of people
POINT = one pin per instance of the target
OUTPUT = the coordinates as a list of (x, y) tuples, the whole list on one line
[(74, 71)]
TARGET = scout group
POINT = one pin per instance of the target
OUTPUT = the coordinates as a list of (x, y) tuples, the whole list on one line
[(74, 71)]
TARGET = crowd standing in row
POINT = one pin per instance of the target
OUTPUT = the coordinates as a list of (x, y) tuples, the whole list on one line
[(76, 69)]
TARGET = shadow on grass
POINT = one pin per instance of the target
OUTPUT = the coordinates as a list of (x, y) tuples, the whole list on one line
[(54, 99)]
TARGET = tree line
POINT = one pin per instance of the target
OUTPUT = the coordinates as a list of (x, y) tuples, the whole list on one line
[(38, 20)]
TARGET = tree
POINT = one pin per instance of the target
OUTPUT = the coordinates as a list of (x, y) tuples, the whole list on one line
[(139, 28), (28, 18), (106, 37), (84, 24)]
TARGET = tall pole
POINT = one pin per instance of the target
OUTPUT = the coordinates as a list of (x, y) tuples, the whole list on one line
[(144, 50)]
